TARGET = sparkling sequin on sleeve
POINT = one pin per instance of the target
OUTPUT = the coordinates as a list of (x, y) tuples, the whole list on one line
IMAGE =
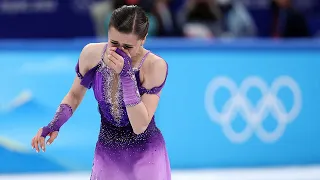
[(62, 115)]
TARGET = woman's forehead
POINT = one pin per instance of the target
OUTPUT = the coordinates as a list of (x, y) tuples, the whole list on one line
[(122, 38)]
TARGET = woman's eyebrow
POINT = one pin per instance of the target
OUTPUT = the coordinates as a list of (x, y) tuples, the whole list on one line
[(116, 42)]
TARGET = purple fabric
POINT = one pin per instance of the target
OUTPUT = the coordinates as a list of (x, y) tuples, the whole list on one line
[(86, 80), (143, 59), (131, 94), (154, 90), (127, 63), (120, 154), (98, 89), (62, 115)]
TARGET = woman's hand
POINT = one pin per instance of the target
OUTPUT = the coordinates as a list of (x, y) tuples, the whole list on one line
[(118, 60), (38, 140)]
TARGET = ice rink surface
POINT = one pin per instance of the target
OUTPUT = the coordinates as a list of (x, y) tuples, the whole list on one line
[(286, 173)]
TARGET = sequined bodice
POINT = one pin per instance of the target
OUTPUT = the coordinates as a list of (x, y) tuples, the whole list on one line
[(108, 93)]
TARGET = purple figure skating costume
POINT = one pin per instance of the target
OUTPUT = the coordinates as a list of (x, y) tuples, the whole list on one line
[(120, 154)]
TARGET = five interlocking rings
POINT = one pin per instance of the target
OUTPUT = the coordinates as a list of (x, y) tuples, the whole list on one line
[(254, 116)]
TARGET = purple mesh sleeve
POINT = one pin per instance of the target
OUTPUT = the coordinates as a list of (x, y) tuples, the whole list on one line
[(62, 115), (131, 95)]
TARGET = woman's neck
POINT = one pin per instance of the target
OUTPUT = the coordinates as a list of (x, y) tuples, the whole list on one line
[(136, 59)]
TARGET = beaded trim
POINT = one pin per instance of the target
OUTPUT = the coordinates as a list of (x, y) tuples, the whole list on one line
[(61, 111)]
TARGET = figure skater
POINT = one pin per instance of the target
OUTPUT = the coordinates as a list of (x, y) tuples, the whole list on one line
[(127, 80)]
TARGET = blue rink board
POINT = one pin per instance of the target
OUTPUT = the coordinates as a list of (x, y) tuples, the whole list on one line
[(252, 126)]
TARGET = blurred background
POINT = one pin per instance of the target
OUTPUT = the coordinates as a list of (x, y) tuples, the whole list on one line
[(241, 100)]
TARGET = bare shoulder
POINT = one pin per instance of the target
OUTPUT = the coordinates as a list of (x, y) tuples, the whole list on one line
[(91, 55), (155, 69), (155, 63)]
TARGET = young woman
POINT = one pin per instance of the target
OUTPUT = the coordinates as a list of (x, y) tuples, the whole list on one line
[(127, 80)]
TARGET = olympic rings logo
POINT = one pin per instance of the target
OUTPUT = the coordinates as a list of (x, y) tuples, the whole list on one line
[(254, 116)]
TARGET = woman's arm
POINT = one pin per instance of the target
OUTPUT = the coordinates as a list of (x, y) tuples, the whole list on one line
[(68, 105), (141, 114), (139, 109), (76, 93)]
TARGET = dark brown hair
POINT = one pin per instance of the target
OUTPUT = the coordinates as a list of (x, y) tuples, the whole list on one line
[(130, 19)]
